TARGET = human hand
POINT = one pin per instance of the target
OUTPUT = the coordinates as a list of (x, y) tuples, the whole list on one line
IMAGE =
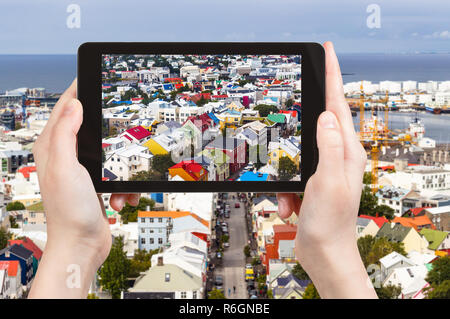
[(77, 228), (326, 240)]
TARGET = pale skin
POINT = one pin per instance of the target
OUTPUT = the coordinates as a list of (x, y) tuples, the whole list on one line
[(78, 231)]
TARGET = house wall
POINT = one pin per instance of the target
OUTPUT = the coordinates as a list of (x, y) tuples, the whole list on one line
[(153, 228), (414, 241)]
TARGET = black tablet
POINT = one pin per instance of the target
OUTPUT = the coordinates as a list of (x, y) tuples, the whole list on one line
[(200, 117)]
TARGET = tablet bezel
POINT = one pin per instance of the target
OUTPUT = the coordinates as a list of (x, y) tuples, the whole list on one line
[(89, 94)]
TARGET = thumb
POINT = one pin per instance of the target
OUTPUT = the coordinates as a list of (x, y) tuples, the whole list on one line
[(63, 136), (331, 147)]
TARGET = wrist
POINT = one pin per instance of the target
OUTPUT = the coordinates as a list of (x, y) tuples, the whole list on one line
[(336, 270), (66, 270)]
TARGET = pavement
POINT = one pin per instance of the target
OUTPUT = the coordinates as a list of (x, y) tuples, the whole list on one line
[(233, 263)]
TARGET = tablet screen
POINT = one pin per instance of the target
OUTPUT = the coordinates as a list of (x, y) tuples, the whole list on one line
[(201, 117)]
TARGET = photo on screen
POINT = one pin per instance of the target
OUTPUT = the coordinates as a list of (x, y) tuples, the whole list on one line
[(201, 117)]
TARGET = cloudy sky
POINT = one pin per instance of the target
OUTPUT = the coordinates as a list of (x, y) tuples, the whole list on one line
[(41, 26)]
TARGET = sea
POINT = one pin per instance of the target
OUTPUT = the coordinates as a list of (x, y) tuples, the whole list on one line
[(56, 72)]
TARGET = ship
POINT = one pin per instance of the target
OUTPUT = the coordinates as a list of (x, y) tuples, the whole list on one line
[(416, 128), (433, 109)]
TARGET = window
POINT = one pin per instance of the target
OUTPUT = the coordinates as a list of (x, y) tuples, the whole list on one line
[(194, 295), (152, 241), (160, 241), (159, 220), (151, 231), (151, 220), (118, 159), (143, 230), (167, 277), (143, 241), (183, 295), (142, 220)]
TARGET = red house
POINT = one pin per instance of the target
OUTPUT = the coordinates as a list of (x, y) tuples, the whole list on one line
[(281, 232), (234, 148)]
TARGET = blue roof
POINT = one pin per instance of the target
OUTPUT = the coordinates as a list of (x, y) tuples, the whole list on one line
[(190, 103), (168, 86), (283, 281), (253, 177), (213, 117), (110, 175)]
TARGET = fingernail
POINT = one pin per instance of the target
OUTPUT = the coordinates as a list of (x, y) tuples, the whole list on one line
[(327, 120)]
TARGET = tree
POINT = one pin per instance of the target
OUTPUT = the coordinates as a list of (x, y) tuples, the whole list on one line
[(162, 162), (265, 109), (289, 103), (216, 294), (145, 176), (270, 294), (440, 271), (311, 292), (141, 261), (15, 206), (286, 169), (367, 178), (247, 251), (372, 249), (441, 291), (386, 211), (129, 213), (114, 271), (299, 272), (388, 292), (12, 222), (92, 296), (368, 202), (4, 237), (225, 238)]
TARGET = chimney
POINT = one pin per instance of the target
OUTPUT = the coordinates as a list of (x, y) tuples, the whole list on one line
[(160, 261)]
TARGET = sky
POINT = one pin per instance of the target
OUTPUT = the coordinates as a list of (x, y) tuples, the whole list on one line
[(41, 26)]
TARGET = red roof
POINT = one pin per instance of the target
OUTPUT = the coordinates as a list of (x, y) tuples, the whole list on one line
[(293, 113), (220, 96), (380, 221), (138, 132), (28, 244), (137, 98), (105, 145), (27, 170), (11, 265), (416, 211), (189, 167), (173, 80), (203, 122)]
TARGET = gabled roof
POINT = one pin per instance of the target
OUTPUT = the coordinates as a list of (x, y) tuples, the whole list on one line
[(18, 251), (138, 132), (28, 244), (380, 221), (225, 143), (414, 222), (393, 258), (277, 118), (190, 167), (396, 233), (434, 237), (416, 211), (26, 170)]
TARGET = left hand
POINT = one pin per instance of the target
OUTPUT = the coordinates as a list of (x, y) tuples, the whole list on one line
[(77, 225)]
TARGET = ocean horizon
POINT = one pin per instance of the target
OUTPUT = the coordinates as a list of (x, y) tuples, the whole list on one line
[(56, 72)]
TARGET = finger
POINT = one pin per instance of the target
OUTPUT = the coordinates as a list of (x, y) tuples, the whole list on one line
[(288, 203), (43, 142), (335, 99), (63, 139), (117, 201), (69, 94), (331, 147), (133, 199)]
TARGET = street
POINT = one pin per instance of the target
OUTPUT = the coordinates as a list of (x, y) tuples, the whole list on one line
[(233, 263)]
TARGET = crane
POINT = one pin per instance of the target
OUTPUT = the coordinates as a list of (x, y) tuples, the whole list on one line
[(361, 110)]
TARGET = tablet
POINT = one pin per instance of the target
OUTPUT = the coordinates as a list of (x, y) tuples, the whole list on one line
[(200, 117)]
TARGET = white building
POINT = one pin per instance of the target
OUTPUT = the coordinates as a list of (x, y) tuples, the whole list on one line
[(128, 161)]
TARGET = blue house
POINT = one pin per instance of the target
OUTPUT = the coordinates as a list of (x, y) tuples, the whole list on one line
[(157, 197), (25, 258)]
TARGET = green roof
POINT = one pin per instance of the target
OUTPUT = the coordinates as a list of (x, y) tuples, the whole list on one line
[(109, 212), (434, 237), (38, 207), (277, 118), (395, 234)]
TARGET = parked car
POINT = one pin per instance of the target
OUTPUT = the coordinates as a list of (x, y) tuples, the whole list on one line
[(253, 294), (218, 282), (224, 229), (219, 255), (237, 205), (227, 214), (226, 245), (250, 285), (224, 224)]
